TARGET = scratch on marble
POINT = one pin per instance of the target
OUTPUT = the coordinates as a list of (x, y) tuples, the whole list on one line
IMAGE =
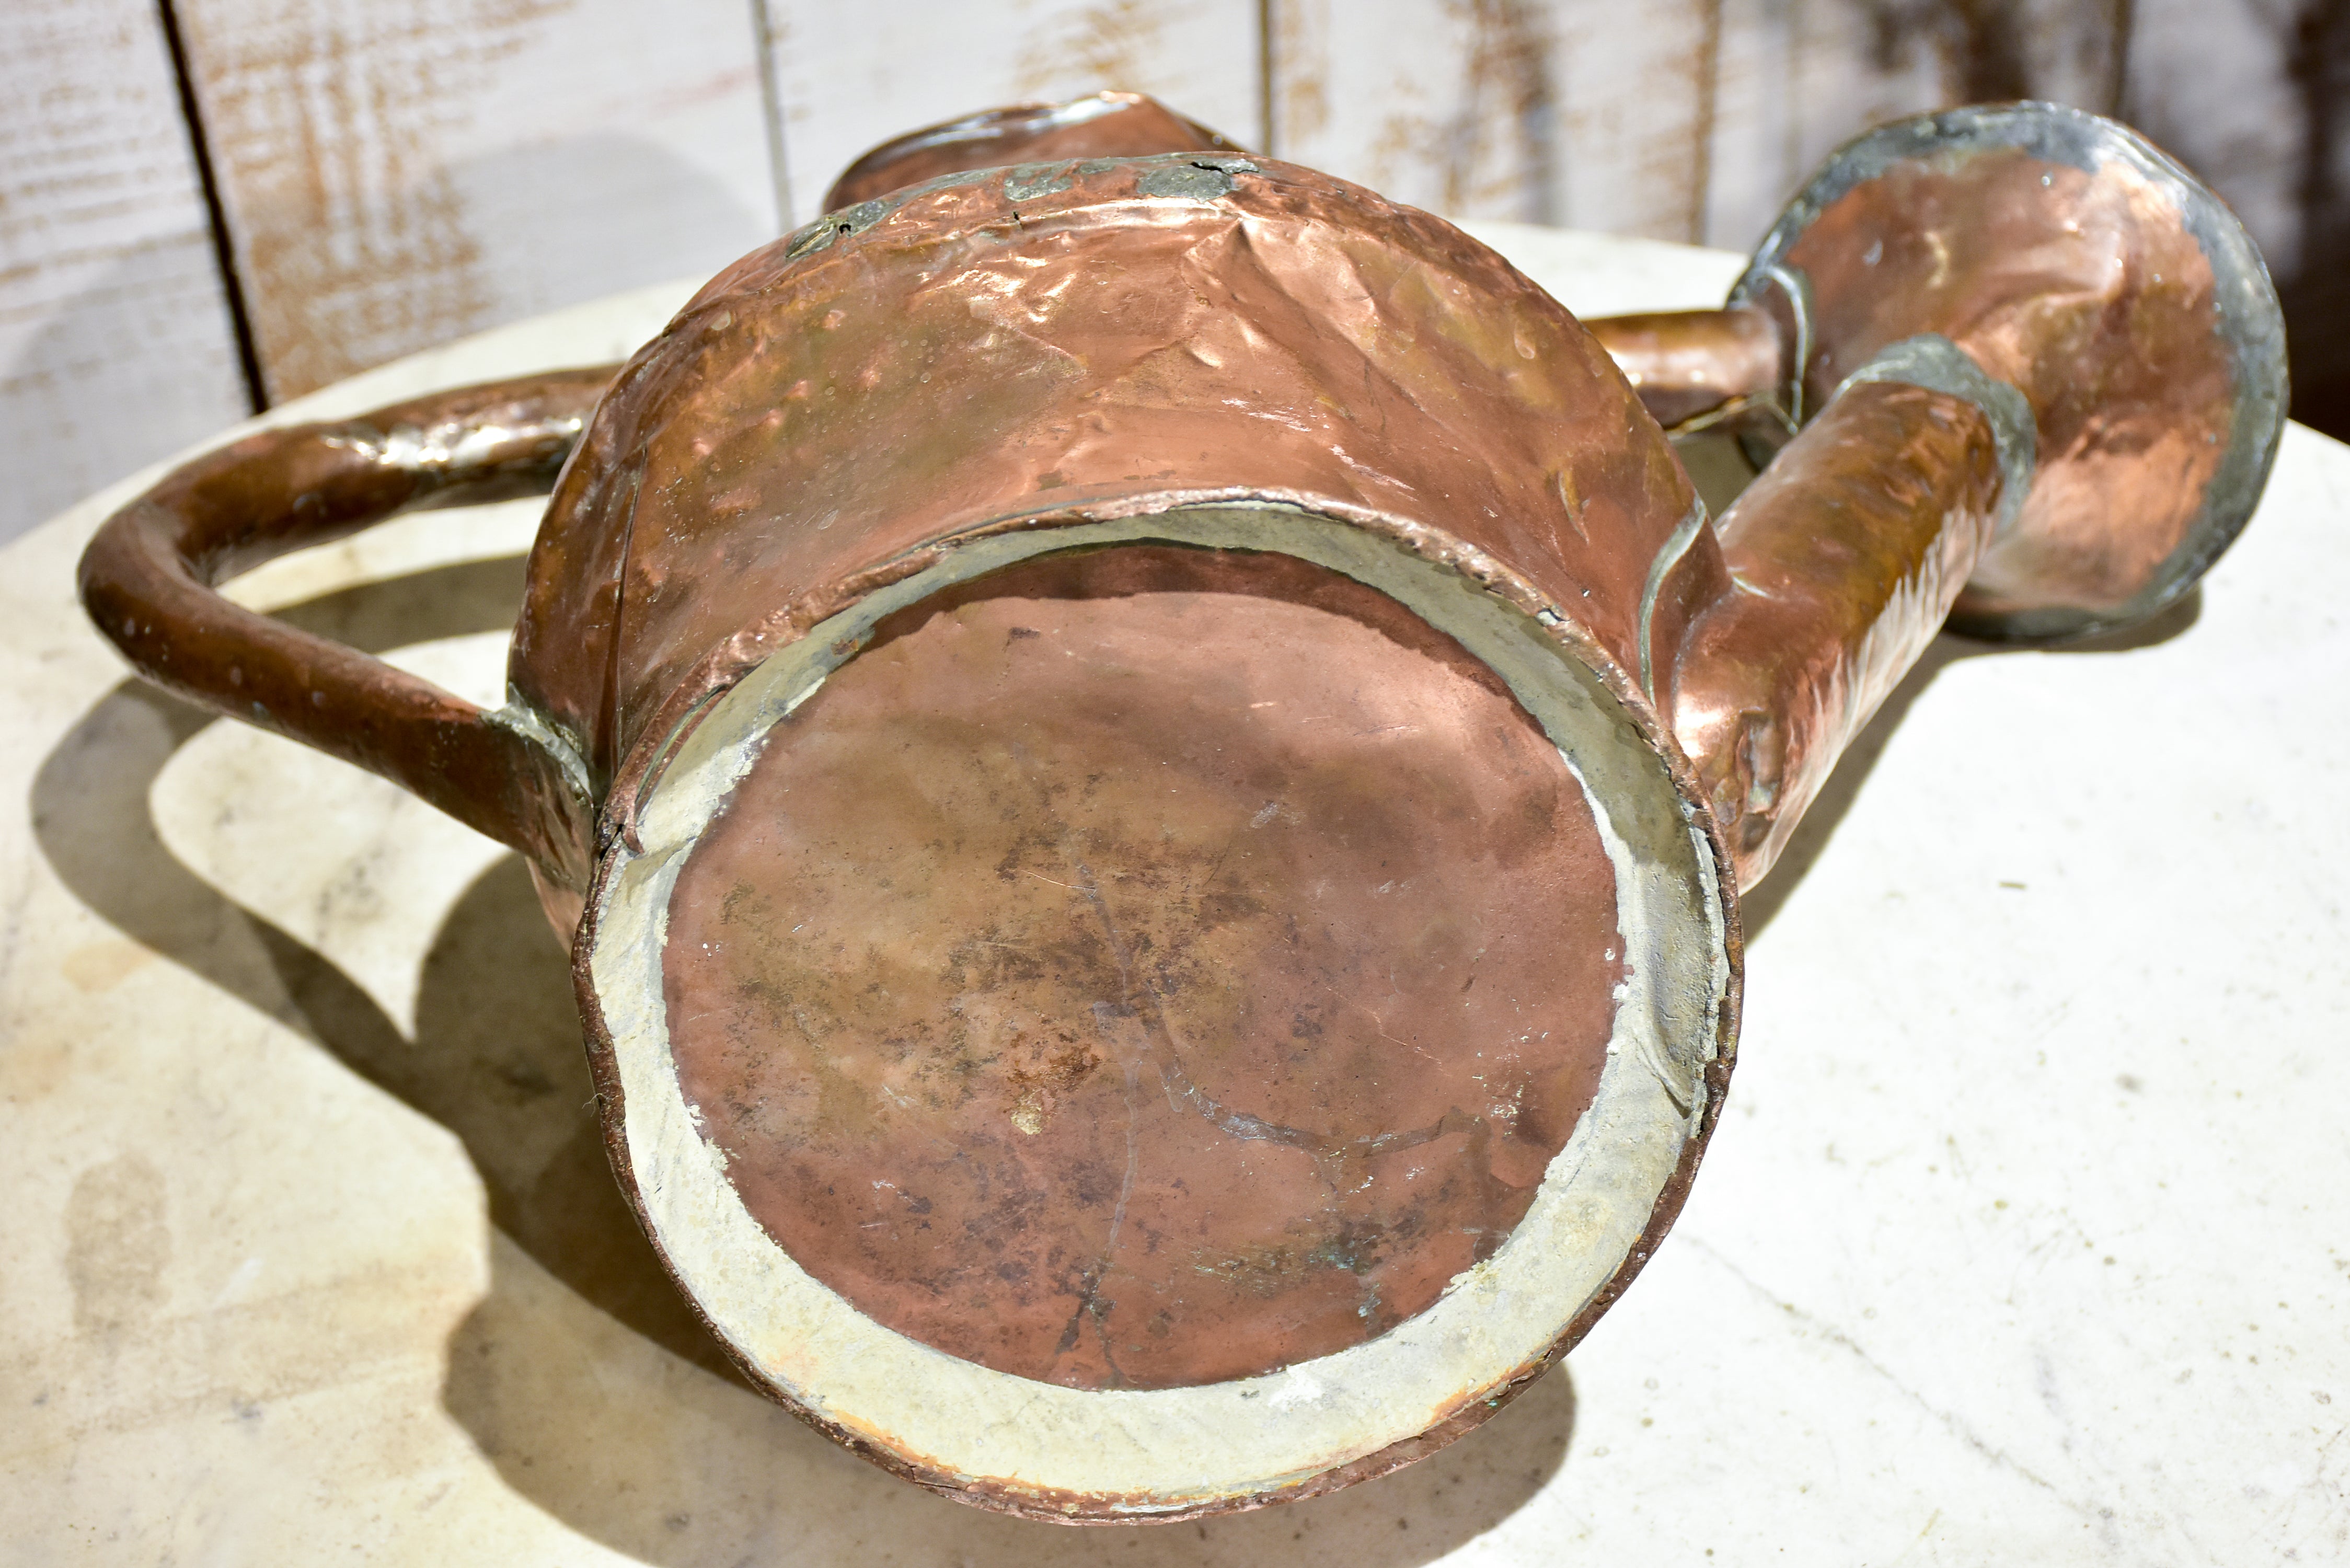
[(1950, 1421)]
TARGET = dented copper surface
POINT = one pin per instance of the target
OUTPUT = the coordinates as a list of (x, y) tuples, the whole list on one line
[(1844, 554), (1149, 966), (1050, 343), (2073, 262), (2115, 335)]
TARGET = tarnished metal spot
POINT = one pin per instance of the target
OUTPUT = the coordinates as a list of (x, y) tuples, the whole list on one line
[(820, 234), (1027, 182), (813, 238), (863, 215), (569, 757), (1795, 285), (1197, 179), (1669, 555)]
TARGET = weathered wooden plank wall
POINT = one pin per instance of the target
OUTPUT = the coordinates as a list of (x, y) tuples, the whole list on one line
[(1550, 111), (850, 76), (1799, 76), (115, 344), (387, 176), (2254, 94), (395, 175)]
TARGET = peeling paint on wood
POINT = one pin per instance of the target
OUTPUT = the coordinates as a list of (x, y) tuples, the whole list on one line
[(115, 346), (852, 76), (396, 176), (1798, 78), (1540, 110)]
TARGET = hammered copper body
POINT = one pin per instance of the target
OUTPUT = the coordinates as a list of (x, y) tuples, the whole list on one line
[(1156, 750)]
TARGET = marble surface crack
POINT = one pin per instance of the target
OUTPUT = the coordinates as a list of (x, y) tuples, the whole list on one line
[(1949, 1420)]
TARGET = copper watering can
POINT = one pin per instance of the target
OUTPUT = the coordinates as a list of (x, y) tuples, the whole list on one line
[(1147, 757)]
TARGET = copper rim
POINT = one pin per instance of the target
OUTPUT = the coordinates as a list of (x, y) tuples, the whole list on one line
[(1070, 1455)]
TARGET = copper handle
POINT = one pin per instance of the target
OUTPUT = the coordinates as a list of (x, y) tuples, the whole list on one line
[(1688, 364), (148, 578)]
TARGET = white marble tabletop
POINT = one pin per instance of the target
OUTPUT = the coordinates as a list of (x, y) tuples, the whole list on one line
[(2024, 1238)]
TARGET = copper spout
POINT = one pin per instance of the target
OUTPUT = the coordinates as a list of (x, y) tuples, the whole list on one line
[(1845, 556), (2050, 375)]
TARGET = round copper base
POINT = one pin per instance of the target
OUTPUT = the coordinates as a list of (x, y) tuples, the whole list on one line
[(1146, 966)]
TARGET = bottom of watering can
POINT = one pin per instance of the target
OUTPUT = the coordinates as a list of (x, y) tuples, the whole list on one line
[(1239, 1007), (1146, 966)]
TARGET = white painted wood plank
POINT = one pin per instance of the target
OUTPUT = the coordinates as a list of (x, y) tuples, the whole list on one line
[(397, 175), (852, 76), (1581, 113), (1799, 77), (2212, 82), (2072, 51), (115, 344)]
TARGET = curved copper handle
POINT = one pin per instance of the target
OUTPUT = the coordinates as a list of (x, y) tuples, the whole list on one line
[(148, 580)]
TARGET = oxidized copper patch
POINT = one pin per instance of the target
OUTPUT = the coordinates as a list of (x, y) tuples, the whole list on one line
[(1147, 967)]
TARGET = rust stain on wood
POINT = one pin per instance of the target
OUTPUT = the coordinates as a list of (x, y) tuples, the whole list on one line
[(1985, 51), (332, 135), (1105, 45), (1508, 96), (1491, 137), (1300, 72), (1705, 72)]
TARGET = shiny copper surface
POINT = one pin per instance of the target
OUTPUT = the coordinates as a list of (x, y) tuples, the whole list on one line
[(1109, 973), (1105, 125), (1147, 967), (2067, 257), (1687, 363), (2063, 258), (1026, 348), (1845, 554), (2084, 289)]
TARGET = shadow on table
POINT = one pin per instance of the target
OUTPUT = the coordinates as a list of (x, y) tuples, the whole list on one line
[(1759, 907), (681, 1478), (694, 1471)]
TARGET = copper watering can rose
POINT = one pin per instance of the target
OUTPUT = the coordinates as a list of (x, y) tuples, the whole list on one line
[(1148, 756)]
